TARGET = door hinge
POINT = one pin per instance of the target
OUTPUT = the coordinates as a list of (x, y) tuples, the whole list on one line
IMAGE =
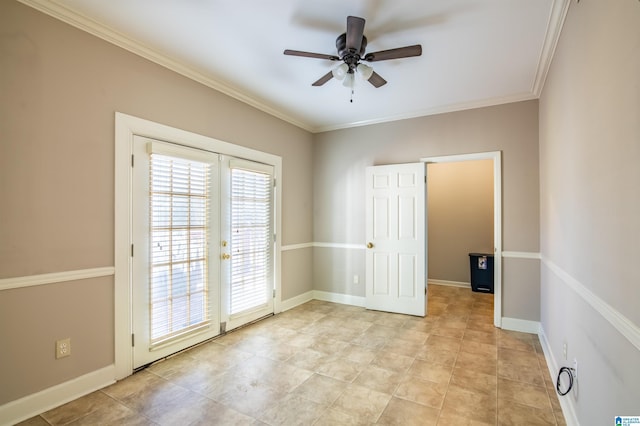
[(274, 293), (132, 160), (274, 182), (223, 327), (133, 340), (131, 250)]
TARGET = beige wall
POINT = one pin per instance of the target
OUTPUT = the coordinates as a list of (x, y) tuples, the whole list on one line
[(60, 88), (459, 216), (340, 158), (590, 205)]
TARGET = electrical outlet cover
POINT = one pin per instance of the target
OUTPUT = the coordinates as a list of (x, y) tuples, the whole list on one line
[(63, 348)]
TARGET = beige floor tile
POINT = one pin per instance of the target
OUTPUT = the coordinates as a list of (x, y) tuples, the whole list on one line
[(34, 421), (528, 374), (321, 389), (293, 410), (440, 330), (308, 359), (437, 356), (475, 362), (379, 379), (196, 377), (403, 347), (400, 412), (328, 346), (412, 335), (487, 337), (517, 358), (340, 368), (523, 393), (422, 392), (474, 381), (133, 384), (432, 372), (448, 418), (157, 401), (443, 343), (278, 351), (333, 417), (78, 408), (470, 405), (482, 350), (365, 404), (511, 413), (251, 398), (113, 415), (392, 361), (359, 354)]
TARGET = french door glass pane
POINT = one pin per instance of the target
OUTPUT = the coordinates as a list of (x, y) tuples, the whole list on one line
[(179, 226), (251, 239)]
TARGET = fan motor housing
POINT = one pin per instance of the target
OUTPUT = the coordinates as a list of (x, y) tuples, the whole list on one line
[(344, 53)]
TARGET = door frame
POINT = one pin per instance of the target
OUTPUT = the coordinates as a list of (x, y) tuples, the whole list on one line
[(126, 126), (496, 156)]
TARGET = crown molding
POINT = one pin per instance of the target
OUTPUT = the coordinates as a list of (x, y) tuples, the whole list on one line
[(434, 111), (554, 28), (110, 35), (57, 10)]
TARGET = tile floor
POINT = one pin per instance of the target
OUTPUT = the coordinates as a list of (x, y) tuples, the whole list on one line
[(329, 364)]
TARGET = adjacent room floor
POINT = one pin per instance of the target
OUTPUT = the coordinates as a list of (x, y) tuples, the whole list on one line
[(330, 364)]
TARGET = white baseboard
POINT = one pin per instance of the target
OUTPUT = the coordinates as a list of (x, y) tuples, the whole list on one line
[(291, 303), (449, 283), (568, 410), (524, 326), (31, 405), (345, 299)]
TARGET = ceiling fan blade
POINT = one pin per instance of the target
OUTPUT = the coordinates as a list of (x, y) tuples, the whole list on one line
[(355, 30), (400, 52), (376, 80), (311, 55), (328, 76)]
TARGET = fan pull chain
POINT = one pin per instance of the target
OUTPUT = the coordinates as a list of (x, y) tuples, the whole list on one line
[(351, 100)]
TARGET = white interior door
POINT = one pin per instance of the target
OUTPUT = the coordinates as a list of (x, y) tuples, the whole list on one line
[(248, 241), (175, 266), (396, 258)]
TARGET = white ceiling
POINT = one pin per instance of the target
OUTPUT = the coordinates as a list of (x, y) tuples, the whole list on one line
[(475, 52)]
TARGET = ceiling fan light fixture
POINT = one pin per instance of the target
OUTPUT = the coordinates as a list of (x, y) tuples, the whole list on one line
[(365, 71), (349, 81), (340, 71)]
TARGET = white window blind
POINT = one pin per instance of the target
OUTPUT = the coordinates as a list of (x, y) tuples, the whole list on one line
[(251, 239), (179, 229)]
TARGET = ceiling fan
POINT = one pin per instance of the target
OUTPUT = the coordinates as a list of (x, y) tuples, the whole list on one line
[(351, 51)]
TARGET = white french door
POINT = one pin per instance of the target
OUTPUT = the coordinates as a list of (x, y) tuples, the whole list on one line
[(247, 241), (175, 292), (396, 262), (202, 249)]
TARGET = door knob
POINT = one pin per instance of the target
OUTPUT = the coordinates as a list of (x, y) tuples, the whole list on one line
[(226, 256), (370, 245)]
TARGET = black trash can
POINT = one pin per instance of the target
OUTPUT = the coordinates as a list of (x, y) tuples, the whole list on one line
[(481, 272)]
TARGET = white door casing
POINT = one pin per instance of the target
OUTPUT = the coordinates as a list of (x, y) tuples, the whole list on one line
[(396, 232)]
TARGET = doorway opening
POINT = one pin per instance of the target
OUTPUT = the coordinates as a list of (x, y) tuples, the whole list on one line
[(496, 248)]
